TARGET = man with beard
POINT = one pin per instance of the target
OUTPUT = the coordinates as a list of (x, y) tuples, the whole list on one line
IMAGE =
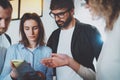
[(5, 17), (80, 41)]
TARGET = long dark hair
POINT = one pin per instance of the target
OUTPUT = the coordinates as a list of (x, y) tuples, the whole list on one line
[(33, 16)]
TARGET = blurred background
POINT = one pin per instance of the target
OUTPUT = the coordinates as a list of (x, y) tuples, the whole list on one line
[(42, 8)]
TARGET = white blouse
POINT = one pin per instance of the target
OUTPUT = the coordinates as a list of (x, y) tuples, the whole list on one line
[(108, 67)]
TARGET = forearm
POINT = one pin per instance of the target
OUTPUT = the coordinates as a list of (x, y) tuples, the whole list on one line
[(84, 72), (73, 64)]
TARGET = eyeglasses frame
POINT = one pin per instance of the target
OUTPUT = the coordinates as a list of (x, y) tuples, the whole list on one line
[(58, 14)]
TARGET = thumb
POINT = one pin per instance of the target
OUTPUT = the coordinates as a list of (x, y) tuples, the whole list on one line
[(12, 64)]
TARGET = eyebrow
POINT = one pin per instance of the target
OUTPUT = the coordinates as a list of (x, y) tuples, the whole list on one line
[(60, 12)]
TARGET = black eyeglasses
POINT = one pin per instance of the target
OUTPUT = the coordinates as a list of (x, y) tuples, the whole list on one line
[(60, 15)]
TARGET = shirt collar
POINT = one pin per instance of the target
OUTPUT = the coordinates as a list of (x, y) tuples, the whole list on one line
[(22, 46)]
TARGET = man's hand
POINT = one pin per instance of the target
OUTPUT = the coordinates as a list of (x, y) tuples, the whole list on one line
[(56, 60)]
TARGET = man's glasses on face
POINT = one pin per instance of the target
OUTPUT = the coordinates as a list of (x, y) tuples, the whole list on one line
[(59, 15)]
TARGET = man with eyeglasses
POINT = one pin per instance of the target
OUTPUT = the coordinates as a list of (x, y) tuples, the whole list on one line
[(80, 41)]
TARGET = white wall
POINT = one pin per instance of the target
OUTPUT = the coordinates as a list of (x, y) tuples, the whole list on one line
[(49, 24)]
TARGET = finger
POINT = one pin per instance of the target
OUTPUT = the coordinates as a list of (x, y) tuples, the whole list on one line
[(46, 62), (12, 64), (54, 55)]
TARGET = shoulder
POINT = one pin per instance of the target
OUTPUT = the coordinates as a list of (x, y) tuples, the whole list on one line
[(56, 31), (11, 51), (84, 26), (14, 46), (55, 34), (8, 37)]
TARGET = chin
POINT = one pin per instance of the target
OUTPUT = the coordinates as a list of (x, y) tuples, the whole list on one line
[(2, 31), (32, 40)]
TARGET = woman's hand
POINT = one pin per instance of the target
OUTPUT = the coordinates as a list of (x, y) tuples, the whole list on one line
[(13, 73)]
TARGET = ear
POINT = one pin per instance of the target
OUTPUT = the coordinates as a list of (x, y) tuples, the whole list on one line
[(72, 11)]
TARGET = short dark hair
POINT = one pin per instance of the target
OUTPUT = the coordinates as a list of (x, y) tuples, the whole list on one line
[(60, 4), (5, 4), (33, 16)]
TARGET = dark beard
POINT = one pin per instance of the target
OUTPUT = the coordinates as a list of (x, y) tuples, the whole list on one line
[(66, 23)]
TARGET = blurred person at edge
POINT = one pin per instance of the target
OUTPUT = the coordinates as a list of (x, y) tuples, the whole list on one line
[(108, 65), (30, 48), (80, 41), (5, 40)]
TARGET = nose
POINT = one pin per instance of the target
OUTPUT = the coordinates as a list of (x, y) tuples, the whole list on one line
[(2, 23), (56, 18), (32, 31)]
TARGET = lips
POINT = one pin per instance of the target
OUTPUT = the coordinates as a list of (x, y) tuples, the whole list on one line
[(31, 37), (60, 22)]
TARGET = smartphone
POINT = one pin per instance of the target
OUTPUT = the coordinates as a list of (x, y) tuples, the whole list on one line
[(17, 62)]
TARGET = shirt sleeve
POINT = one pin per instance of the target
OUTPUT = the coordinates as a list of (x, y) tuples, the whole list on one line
[(86, 73), (5, 75), (49, 71), (49, 74)]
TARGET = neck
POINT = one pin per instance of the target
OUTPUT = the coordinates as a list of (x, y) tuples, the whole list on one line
[(72, 24), (32, 45)]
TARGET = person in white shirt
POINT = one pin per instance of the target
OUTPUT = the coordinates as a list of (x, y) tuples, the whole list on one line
[(108, 66), (5, 41), (80, 41)]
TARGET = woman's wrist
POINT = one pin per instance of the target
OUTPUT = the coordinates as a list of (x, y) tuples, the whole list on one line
[(12, 75)]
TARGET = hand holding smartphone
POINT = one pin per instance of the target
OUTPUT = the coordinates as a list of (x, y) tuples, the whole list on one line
[(17, 62)]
